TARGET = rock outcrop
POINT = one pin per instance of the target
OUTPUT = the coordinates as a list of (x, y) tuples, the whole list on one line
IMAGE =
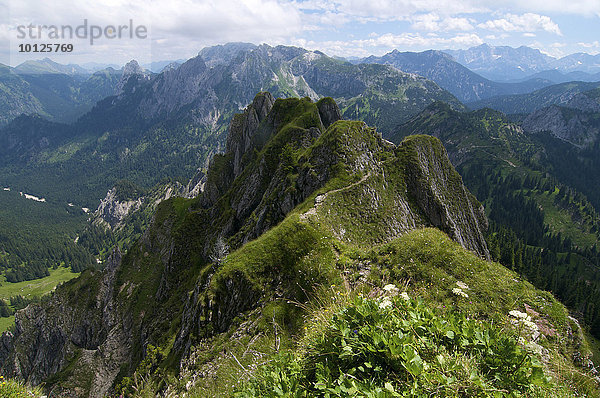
[(76, 335), (132, 74), (440, 194), (568, 124), (111, 212)]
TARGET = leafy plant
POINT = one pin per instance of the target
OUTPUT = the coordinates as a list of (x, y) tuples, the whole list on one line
[(397, 346)]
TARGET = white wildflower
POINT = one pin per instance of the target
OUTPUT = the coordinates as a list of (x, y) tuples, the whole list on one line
[(531, 325), (536, 348), (458, 291), (462, 285), (519, 315), (391, 289), (385, 303), (405, 296)]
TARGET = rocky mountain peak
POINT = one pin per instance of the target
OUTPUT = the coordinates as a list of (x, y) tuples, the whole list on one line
[(132, 71), (244, 127), (329, 111)]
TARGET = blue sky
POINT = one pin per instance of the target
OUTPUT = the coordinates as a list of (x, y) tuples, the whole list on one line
[(180, 28)]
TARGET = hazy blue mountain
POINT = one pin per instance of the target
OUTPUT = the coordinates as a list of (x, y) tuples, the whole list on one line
[(558, 94), (159, 66), (506, 63), (556, 76), (46, 65), (503, 62), (57, 92), (224, 54), (580, 62), (96, 66), (466, 85)]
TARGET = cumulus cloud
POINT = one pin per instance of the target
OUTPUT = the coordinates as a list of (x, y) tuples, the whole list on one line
[(180, 28), (381, 44), (576, 7), (433, 22), (594, 44), (176, 28), (592, 48), (528, 22), (404, 9)]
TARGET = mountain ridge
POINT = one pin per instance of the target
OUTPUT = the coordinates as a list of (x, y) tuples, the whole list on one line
[(440, 67), (260, 198)]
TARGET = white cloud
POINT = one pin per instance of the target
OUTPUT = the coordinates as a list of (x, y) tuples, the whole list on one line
[(528, 22), (378, 10), (592, 48), (176, 28), (594, 44), (389, 10), (576, 7), (433, 22), (384, 43)]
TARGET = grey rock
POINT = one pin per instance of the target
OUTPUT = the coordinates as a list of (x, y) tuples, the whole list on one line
[(567, 124), (86, 334)]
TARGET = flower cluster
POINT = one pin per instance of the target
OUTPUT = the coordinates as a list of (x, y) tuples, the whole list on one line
[(460, 290), (391, 289), (385, 303), (523, 319)]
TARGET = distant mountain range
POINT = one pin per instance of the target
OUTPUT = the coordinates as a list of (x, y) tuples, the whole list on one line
[(505, 63), (465, 84), (152, 126), (57, 92), (558, 94)]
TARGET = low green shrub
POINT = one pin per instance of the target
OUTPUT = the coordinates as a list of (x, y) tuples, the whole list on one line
[(395, 346)]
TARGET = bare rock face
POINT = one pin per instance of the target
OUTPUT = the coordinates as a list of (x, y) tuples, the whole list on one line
[(329, 112), (79, 326), (195, 185), (568, 124), (133, 73), (111, 212), (440, 194), (244, 128)]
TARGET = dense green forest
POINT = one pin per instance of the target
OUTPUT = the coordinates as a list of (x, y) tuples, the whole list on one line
[(36, 236), (520, 237)]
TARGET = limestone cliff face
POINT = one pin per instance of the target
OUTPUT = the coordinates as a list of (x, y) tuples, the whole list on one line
[(440, 194), (571, 125), (111, 212), (132, 75), (285, 158), (76, 335), (114, 212), (244, 128)]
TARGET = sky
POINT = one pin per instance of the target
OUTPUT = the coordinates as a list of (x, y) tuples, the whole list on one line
[(152, 30)]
